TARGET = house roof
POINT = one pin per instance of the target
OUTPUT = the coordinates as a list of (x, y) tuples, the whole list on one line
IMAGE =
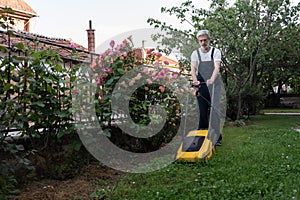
[(18, 5), (172, 64), (65, 48)]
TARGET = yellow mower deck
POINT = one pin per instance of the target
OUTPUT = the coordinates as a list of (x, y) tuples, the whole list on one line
[(196, 146)]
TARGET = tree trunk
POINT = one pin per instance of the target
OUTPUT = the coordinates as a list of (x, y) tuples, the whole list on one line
[(239, 108)]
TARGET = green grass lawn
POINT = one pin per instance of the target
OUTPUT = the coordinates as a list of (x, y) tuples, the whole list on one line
[(260, 161)]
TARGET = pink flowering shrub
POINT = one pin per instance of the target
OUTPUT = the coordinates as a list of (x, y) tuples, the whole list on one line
[(120, 59)]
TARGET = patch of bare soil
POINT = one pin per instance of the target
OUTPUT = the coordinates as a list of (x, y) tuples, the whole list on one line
[(79, 187)]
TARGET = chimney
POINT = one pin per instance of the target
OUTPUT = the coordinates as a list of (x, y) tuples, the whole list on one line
[(91, 37)]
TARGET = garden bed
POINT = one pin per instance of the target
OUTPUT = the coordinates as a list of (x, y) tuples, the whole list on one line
[(82, 186)]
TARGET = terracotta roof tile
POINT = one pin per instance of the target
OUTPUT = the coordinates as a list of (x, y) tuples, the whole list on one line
[(19, 5), (62, 46)]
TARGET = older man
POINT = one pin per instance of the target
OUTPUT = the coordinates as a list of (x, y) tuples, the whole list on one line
[(205, 66)]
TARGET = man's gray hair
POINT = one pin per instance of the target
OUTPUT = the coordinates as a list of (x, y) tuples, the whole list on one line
[(203, 32)]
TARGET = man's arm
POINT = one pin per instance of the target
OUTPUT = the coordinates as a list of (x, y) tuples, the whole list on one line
[(214, 75), (193, 73)]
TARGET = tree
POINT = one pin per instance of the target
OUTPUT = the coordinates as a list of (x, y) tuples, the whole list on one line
[(245, 32)]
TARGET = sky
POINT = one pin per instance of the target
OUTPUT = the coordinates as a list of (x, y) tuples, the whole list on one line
[(69, 19)]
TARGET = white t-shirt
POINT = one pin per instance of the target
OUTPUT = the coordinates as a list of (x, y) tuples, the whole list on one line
[(206, 56)]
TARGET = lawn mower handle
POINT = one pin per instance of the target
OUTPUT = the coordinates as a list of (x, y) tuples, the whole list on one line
[(201, 83)]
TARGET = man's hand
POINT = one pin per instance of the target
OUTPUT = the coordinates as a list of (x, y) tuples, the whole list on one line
[(209, 82), (196, 83)]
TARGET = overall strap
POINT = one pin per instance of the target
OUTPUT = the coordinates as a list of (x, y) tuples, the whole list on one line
[(212, 54), (199, 76)]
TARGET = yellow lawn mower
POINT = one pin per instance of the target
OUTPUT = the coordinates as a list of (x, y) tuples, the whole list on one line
[(198, 144)]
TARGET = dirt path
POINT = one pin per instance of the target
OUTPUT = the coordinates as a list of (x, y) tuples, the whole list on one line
[(79, 187), (274, 113)]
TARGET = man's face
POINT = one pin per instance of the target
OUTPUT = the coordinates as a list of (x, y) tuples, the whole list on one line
[(203, 41)]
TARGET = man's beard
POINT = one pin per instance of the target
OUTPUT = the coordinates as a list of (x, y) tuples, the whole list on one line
[(205, 48)]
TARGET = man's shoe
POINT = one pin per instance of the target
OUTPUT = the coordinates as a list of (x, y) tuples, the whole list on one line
[(219, 143)]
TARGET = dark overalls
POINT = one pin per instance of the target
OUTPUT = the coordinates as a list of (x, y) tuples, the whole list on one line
[(205, 70)]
